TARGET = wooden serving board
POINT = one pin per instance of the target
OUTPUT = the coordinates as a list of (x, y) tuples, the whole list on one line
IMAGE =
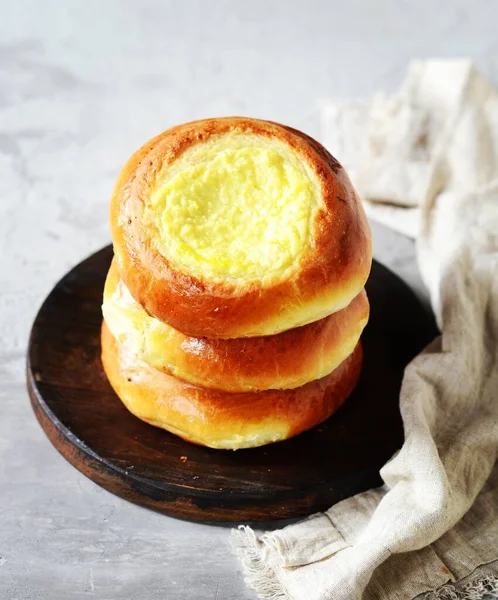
[(89, 426)]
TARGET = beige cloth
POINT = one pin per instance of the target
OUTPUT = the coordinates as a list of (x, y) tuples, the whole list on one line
[(426, 162)]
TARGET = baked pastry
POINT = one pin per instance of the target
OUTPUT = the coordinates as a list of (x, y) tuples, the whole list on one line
[(235, 303), (283, 361), (237, 227), (221, 419)]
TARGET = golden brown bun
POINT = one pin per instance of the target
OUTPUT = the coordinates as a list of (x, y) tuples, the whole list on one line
[(328, 274), (283, 361), (222, 419)]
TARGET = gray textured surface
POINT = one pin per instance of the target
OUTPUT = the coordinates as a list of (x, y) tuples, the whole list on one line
[(82, 84)]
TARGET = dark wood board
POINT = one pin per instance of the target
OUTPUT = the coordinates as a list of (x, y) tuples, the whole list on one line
[(89, 426)]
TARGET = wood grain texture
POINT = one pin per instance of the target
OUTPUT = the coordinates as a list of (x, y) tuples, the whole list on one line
[(87, 423)]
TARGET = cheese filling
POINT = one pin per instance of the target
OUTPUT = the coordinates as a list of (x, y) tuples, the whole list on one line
[(235, 207)]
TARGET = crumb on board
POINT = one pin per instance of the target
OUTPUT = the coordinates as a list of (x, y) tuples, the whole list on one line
[(183, 459)]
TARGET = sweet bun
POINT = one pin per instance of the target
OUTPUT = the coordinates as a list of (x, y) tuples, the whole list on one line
[(220, 419), (237, 227), (283, 361)]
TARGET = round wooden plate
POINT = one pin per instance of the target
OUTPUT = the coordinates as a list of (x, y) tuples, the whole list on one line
[(86, 422)]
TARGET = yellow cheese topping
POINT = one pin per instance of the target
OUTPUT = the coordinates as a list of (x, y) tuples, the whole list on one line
[(237, 206)]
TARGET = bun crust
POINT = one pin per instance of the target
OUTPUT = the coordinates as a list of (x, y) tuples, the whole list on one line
[(220, 419), (324, 278), (283, 361)]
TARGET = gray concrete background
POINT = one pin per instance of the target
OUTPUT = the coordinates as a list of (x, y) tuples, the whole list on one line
[(82, 84)]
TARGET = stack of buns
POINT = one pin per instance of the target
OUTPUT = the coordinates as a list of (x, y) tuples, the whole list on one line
[(235, 302)]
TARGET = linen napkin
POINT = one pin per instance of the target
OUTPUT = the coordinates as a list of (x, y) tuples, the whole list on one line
[(425, 161)]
